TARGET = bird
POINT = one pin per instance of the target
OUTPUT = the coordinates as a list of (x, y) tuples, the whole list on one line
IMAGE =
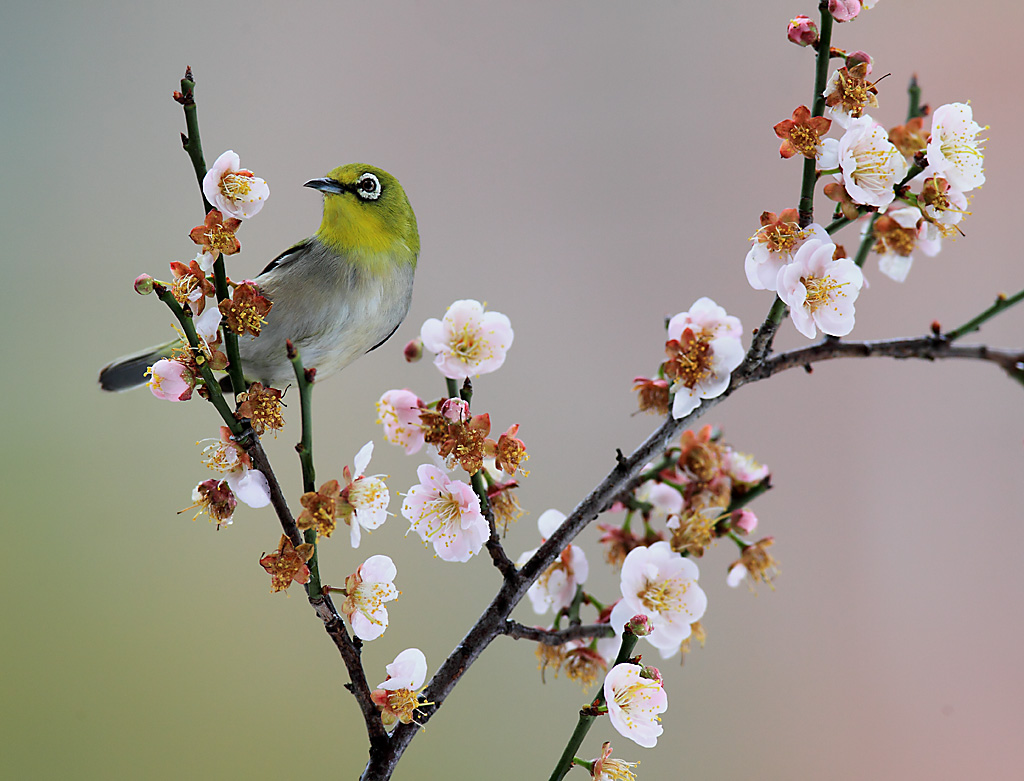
[(337, 295)]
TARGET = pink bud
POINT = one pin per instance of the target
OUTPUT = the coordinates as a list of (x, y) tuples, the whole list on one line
[(844, 10), (744, 521), (651, 673), (802, 31), (143, 284), (455, 410), (856, 58), (640, 625), (413, 350)]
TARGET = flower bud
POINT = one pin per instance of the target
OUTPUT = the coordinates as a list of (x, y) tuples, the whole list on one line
[(744, 521), (640, 625), (802, 31), (651, 673), (413, 350), (844, 10), (143, 284), (455, 410), (856, 58)]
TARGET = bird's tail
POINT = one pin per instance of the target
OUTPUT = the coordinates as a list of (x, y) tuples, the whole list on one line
[(130, 371)]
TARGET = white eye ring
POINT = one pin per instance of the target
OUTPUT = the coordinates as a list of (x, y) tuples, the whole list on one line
[(371, 193)]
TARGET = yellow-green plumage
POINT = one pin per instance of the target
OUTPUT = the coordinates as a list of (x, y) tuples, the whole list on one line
[(336, 295)]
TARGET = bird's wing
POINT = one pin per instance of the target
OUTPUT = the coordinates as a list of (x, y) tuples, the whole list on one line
[(287, 256)]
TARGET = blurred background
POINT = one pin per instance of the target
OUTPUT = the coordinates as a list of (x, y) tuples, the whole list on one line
[(586, 167)]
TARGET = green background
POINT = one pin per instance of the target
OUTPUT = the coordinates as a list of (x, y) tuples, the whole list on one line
[(585, 167)]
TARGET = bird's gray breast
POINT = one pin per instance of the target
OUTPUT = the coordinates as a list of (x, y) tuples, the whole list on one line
[(333, 308)]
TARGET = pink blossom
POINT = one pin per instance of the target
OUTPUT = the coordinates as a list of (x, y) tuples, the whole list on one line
[(953, 149), (634, 702), (704, 347), (171, 380), (367, 590), (399, 412), (236, 192), (368, 495), (661, 584), (408, 671), (821, 291), (447, 513), (871, 165), (468, 341), (556, 586)]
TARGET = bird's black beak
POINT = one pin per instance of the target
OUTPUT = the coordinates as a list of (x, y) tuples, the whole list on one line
[(326, 186)]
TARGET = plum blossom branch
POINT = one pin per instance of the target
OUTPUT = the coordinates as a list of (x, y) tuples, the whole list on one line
[(624, 475), (1002, 302), (350, 651), (927, 348), (246, 437), (304, 378), (518, 631), (192, 143), (806, 205), (589, 713), (762, 343)]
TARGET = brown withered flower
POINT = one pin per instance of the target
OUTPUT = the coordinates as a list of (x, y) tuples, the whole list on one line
[(215, 498), (191, 287), (246, 311), (217, 235), (891, 237), (263, 408), (287, 564), (510, 452), (504, 504), (652, 395), (801, 134), (693, 532), (321, 509), (850, 92), (910, 138)]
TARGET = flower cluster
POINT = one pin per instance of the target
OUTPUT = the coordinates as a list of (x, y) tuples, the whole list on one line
[(704, 346), (869, 171)]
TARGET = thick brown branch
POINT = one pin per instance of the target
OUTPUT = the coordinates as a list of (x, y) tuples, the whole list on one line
[(928, 348), (624, 475), (351, 655), (518, 631)]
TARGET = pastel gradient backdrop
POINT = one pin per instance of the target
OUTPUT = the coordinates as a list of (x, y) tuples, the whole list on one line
[(586, 167)]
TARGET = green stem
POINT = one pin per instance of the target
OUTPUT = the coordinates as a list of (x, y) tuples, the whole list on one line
[(220, 279), (598, 605), (480, 489), (738, 540), (453, 388), (914, 99), (305, 451), (190, 140), (212, 386), (588, 766), (746, 498), (836, 224), (1002, 302), (867, 242), (193, 145), (810, 177), (588, 714)]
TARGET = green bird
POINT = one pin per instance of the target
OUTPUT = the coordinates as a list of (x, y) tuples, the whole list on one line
[(337, 295)]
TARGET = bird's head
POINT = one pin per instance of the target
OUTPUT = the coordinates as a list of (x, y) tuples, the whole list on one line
[(367, 214)]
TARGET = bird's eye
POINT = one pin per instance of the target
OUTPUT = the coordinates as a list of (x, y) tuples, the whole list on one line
[(368, 187)]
